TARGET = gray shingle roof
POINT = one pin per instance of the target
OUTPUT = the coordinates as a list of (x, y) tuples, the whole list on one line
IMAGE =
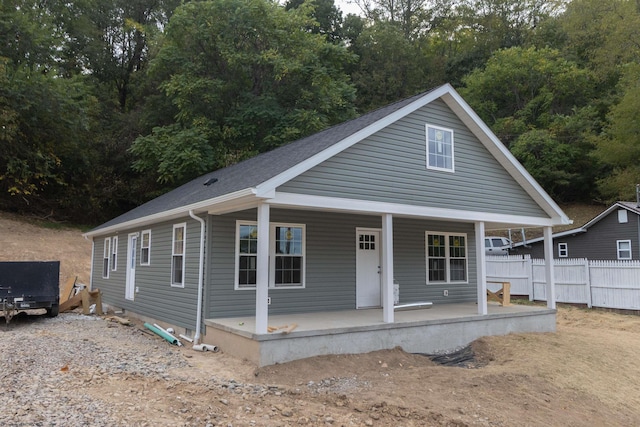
[(256, 170)]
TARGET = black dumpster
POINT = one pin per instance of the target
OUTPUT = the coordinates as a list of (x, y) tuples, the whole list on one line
[(26, 285)]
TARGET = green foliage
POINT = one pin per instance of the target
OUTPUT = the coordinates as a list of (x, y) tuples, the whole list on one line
[(244, 76), (619, 145)]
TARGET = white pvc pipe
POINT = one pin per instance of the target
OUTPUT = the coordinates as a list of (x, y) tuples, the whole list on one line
[(196, 337)]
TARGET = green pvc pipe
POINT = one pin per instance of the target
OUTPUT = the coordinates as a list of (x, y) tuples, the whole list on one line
[(161, 333)]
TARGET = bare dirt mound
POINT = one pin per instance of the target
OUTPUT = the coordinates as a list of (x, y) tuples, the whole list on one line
[(24, 239)]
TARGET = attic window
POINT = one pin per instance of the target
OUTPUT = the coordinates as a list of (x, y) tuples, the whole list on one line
[(622, 216), (210, 181), (439, 148)]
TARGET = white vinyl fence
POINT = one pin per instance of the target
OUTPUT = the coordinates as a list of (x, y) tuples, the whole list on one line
[(610, 284)]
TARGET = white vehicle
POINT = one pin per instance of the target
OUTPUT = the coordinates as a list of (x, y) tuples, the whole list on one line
[(495, 245)]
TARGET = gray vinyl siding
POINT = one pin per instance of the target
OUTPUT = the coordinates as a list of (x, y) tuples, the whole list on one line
[(156, 297), (390, 166), (598, 243), (330, 264)]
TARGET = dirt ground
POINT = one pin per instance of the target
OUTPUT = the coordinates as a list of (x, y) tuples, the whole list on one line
[(585, 374)]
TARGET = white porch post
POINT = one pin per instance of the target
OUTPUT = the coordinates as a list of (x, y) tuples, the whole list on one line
[(262, 270), (548, 268), (481, 270), (387, 268)]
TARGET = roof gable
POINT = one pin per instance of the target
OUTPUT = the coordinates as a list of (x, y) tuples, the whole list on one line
[(262, 174)]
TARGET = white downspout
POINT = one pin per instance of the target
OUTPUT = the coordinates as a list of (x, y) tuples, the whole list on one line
[(196, 337)]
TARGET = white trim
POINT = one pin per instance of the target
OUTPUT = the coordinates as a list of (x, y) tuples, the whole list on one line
[(338, 204), (453, 162), (106, 254), (172, 213), (387, 268), (447, 257), (114, 253), (549, 268), (236, 279), (618, 250), (142, 233), (182, 225), (563, 250), (130, 268), (481, 268), (486, 136)]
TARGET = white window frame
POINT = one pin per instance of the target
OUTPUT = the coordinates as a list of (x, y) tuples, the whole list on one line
[(428, 157), (563, 250), (183, 226), (106, 257), (447, 257), (619, 250), (143, 247), (622, 216), (114, 253), (272, 256)]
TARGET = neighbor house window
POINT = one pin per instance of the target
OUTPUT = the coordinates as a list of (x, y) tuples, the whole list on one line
[(439, 148), (286, 255), (563, 250), (145, 248), (177, 255), (106, 254), (114, 254), (446, 257), (622, 216), (624, 249)]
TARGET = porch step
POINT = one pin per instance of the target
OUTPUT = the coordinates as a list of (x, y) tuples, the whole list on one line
[(413, 305)]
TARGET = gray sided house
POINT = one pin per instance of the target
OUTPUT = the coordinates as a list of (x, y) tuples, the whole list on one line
[(315, 234), (612, 235)]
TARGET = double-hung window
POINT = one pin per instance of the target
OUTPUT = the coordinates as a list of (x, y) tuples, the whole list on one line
[(446, 257), (177, 255), (106, 254), (114, 253), (563, 250), (624, 249), (145, 248), (440, 148), (286, 255)]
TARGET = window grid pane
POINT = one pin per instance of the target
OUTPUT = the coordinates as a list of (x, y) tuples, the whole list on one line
[(440, 148)]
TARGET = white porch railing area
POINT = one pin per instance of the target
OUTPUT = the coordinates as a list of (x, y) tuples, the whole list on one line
[(609, 284)]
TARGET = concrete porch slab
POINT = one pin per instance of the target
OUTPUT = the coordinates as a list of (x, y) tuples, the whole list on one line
[(438, 329)]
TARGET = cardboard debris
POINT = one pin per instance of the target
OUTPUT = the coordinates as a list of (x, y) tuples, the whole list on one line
[(285, 329), (120, 320)]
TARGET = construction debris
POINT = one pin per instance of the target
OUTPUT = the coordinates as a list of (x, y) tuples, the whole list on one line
[(285, 329), (121, 320), (84, 298)]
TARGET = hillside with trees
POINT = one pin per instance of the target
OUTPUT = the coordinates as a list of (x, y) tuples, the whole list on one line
[(105, 104)]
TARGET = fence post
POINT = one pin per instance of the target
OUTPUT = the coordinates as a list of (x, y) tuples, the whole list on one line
[(529, 265), (587, 276)]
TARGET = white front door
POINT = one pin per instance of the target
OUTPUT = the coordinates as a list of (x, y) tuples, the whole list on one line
[(130, 286), (368, 278)]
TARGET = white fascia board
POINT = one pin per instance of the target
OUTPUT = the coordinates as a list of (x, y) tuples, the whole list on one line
[(503, 155), (273, 183), (604, 214), (336, 204), (204, 205)]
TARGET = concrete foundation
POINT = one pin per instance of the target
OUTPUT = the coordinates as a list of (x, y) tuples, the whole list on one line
[(428, 331)]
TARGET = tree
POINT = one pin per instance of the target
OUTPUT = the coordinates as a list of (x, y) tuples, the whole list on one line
[(327, 16), (244, 76), (618, 146), (538, 104)]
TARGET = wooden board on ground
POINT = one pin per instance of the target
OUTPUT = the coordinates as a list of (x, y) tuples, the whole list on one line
[(67, 289)]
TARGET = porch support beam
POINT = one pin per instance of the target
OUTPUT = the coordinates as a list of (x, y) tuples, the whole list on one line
[(262, 270), (481, 270), (387, 268), (548, 267)]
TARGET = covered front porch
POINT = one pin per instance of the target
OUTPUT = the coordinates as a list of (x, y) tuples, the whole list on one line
[(441, 328)]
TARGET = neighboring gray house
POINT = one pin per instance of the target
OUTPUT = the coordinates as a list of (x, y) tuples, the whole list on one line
[(612, 235), (326, 224)]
